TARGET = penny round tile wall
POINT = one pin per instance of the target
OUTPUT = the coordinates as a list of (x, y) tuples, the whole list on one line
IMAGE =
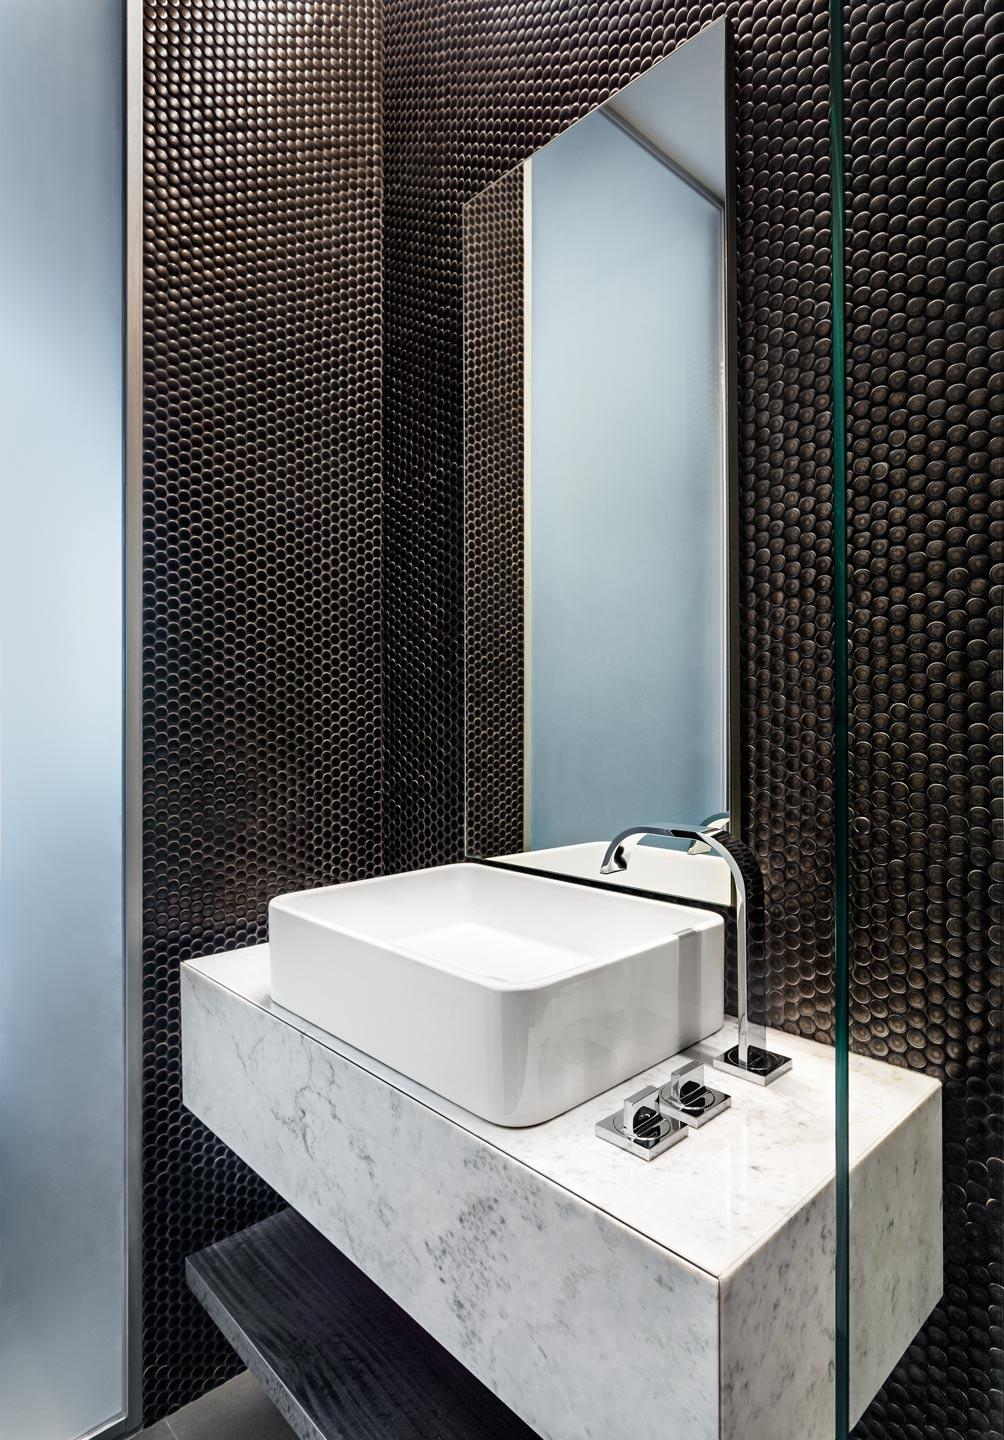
[(470, 90), (926, 327), (261, 532), (494, 524)]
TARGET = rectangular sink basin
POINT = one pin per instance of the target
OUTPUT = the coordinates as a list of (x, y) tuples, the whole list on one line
[(515, 996)]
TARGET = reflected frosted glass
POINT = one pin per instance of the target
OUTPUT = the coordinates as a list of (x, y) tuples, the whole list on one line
[(62, 1146), (627, 527)]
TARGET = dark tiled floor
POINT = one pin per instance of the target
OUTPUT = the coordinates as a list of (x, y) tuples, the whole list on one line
[(239, 1410)]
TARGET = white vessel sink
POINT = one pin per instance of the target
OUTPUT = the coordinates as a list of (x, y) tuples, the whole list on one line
[(515, 996)]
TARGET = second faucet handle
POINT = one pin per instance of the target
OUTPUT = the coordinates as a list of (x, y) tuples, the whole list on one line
[(686, 1097)]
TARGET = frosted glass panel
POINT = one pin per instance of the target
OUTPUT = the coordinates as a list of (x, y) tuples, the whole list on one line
[(627, 530), (62, 1123)]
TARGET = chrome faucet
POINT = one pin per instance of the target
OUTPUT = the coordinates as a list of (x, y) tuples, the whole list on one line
[(751, 1062)]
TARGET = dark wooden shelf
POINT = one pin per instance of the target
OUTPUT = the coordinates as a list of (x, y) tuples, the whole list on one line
[(336, 1356)]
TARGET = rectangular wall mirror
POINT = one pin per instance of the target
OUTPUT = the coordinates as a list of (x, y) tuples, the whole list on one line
[(600, 512)]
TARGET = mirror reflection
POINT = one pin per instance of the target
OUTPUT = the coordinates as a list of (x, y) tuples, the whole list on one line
[(599, 521)]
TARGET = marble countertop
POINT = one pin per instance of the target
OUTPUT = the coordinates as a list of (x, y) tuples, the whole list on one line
[(711, 1200), (542, 1257)]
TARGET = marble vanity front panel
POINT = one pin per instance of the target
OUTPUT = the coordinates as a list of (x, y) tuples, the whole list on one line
[(539, 1294), (777, 1302), (547, 1261)]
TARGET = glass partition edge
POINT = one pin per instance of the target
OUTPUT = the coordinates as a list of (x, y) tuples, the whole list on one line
[(840, 773)]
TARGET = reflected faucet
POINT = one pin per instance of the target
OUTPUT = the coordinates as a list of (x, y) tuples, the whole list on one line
[(751, 1062)]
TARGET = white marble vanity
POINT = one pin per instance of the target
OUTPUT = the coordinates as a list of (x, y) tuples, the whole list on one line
[(600, 1297)]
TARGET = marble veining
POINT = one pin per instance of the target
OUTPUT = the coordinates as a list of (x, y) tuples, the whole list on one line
[(777, 1333), (715, 1196), (778, 1302), (539, 1256), (897, 1242), (514, 1275)]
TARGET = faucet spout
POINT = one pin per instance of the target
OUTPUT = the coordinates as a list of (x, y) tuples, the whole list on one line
[(752, 1062)]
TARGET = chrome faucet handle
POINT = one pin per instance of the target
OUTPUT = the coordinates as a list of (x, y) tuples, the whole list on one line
[(640, 1113), (686, 1097), (653, 1119), (641, 1127), (691, 1072)]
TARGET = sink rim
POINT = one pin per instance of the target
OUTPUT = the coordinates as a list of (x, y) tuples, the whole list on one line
[(698, 920)]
